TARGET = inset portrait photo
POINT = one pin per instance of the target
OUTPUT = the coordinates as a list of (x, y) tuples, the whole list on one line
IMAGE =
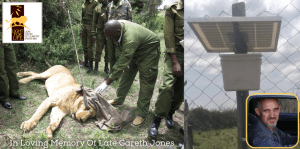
[(272, 120)]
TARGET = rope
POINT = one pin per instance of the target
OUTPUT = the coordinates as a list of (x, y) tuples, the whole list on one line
[(84, 96)]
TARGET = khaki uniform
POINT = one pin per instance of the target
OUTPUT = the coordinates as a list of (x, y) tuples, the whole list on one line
[(8, 70), (86, 25), (171, 90), (119, 11), (97, 30), (138, 51)]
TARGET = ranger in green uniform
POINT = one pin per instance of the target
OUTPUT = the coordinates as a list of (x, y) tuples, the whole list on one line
[(136, 49), (85, 33), (99, 19), (171, 90), (8, 73), (119, 10)]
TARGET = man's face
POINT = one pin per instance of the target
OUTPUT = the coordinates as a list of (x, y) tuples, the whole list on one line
[(269, 112)]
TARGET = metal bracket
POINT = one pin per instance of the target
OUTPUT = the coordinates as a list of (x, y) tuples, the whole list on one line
[(243, 139)]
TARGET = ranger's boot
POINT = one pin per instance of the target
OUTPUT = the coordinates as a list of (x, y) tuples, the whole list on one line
[(169, 121), (90, 68), (96, 68), (106, 68), (153, 129)]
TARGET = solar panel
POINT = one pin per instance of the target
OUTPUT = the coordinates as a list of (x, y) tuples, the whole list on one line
[(258, 34)]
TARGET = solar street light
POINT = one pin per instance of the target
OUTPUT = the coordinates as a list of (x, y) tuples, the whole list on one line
[(238, 34), (253, 34)]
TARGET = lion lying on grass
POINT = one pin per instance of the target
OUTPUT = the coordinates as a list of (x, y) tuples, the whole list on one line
[(63, 98)]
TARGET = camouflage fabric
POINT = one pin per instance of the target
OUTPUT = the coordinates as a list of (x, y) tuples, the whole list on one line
[(97, 32), (171, 93), (174, 17), (87, 17), (138, 51), (120, 10)]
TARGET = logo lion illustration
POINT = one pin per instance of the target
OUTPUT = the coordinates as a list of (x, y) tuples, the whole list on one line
[(17, 22)]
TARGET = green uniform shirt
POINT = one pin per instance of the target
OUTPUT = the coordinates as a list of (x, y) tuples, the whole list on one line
[(1, 19), (119, 11), (135, 43), (173, 28), (88, 11), (98, 21)]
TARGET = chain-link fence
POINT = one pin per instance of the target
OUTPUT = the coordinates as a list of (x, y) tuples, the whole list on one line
[(212, 110)]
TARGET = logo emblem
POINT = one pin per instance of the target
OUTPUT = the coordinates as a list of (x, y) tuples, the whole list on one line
[(23, 22)]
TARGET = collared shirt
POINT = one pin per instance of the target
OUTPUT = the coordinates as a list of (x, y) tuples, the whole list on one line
[(259, 135), (173, 28), (88, 11), (136, 42)]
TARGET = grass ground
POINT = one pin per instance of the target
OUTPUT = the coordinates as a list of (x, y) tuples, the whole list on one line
[(11, 136), (219, 139)]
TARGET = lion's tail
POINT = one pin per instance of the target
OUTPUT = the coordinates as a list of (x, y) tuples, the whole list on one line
[(46, 53)]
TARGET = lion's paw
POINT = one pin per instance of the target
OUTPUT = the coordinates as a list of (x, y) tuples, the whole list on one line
[(22, 81), (20, 74), (27, 125)]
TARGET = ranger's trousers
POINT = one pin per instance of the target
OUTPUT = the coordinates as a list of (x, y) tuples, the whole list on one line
[(87, 43), (8, 73), (148, 69), (100, 43), (171, 91)]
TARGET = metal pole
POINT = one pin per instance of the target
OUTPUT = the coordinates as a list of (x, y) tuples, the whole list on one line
[(241, 97), (238, 9)]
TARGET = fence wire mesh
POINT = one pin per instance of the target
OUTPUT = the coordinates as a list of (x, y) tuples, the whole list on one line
[(212, 110)]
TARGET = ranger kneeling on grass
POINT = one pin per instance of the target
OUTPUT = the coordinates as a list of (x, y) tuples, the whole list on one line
[(135, 49)]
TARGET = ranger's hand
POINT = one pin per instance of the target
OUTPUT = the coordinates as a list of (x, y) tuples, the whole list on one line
[(103, 16), (101, 87), (177, 69), (109, 81)]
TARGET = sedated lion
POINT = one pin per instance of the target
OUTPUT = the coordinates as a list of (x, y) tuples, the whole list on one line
[(63, 98)]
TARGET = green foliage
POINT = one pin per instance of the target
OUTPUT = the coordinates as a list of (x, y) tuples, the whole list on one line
[(154, 23), (55, 13), (59, 45), (145, 13), (203, 119), (58, 41)]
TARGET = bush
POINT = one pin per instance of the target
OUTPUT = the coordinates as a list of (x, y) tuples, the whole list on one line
[(146, 14), (203, 119), (57, 35)]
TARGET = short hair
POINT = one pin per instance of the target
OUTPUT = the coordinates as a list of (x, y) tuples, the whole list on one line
[(260, 100)]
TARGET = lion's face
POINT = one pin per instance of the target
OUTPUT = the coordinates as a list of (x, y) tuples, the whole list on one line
[(83, 115)]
